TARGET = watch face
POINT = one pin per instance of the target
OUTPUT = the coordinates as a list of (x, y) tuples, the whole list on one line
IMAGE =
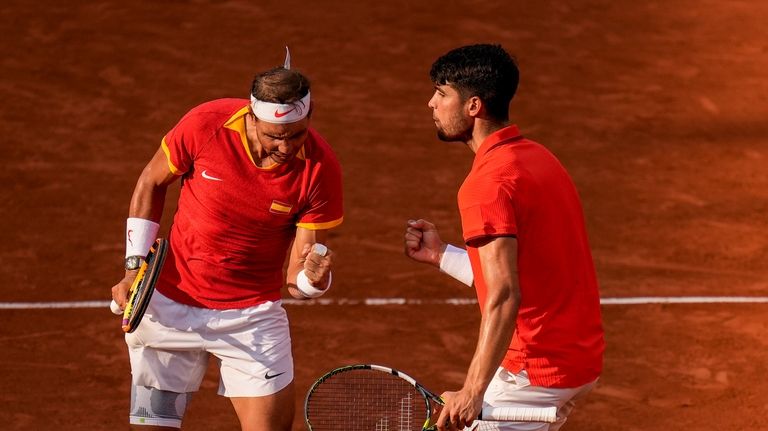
[(133, 262)]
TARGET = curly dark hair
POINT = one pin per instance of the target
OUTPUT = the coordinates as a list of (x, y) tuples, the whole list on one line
[(484, 70), (280, 85)]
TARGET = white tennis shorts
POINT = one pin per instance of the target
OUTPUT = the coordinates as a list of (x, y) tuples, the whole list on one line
[(170, 348), (514, 390)]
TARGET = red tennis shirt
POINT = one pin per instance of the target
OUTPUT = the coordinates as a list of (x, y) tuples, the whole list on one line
[(518, 188), (236, 221)]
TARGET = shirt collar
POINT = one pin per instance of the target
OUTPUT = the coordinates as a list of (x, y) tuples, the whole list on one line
[(502, 136), (237, 123)]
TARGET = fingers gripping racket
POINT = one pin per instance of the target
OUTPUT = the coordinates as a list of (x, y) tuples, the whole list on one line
[(376, 398), (143, 286)]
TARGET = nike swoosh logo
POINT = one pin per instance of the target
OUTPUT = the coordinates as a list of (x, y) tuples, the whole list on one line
[(283, 114), (267, 376), (208, 177)]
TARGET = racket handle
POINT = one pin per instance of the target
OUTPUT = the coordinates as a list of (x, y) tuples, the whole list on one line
[(520, 414), (115, 308)]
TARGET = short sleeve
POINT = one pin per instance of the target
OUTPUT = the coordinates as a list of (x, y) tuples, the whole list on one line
[(180, 145), (325, 208), (487, 211)]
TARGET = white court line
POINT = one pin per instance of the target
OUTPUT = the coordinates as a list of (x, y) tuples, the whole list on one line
[(685, 300), (415, 301), (36, 305)]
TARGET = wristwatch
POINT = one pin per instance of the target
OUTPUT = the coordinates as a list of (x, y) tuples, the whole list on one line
[(133, 262)]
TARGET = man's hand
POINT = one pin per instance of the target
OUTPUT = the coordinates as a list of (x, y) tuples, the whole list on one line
[(120, 290), (460, 410), (317, 268), (423, 243)]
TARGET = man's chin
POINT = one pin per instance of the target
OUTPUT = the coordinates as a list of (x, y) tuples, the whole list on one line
[(281, 160), (448, 138)]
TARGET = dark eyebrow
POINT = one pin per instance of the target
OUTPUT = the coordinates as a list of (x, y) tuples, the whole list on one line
[(293, 135)]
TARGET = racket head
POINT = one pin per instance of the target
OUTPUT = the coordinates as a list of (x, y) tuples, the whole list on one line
[(144, 285), (368, 397)]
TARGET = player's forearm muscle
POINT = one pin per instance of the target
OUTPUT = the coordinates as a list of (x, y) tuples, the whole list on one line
[(496, 329), (498, 259)]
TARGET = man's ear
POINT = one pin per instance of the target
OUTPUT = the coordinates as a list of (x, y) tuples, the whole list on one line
[(474, 106)]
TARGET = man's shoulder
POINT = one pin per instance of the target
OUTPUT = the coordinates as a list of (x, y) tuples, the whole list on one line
[(213, 114), (207, 119), (514, 155), (318, 148), (219, 107)]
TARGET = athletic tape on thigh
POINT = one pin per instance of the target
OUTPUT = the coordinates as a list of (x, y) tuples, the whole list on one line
[(150, 406)]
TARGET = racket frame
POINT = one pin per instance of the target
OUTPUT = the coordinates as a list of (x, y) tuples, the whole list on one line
[(140, 292), (428, 396), (545, 414)]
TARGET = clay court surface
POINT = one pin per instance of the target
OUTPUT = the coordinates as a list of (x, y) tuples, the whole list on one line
[(658, 109)]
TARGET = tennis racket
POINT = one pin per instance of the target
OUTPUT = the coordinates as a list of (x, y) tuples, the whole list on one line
[(376, 398), (143, 286)]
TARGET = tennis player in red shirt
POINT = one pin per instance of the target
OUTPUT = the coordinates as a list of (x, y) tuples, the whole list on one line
[(258, 183), (527, 255)]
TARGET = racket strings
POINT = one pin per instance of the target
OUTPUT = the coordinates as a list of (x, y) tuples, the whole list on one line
[(364, 400)]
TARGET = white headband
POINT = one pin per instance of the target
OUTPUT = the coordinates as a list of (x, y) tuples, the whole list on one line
[(281, 113)]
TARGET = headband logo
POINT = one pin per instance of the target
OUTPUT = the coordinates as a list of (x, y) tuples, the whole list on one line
[(283, 114)]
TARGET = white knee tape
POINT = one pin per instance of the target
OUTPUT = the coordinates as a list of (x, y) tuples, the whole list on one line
[(150, 406)]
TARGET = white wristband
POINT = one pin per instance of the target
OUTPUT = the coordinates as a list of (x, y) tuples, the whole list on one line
[(307, 289), (455, 262), (140, 234)]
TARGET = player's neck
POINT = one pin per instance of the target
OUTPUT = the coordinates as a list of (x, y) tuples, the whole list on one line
[(484, 128)]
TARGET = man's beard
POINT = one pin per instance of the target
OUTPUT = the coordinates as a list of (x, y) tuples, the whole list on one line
[(461, 136)]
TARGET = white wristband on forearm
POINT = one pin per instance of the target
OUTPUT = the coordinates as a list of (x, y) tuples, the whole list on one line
[(455, 262), (140, 234), (307, 289)]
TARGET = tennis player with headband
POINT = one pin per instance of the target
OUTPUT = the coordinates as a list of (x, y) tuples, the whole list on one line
[(258, 183)]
